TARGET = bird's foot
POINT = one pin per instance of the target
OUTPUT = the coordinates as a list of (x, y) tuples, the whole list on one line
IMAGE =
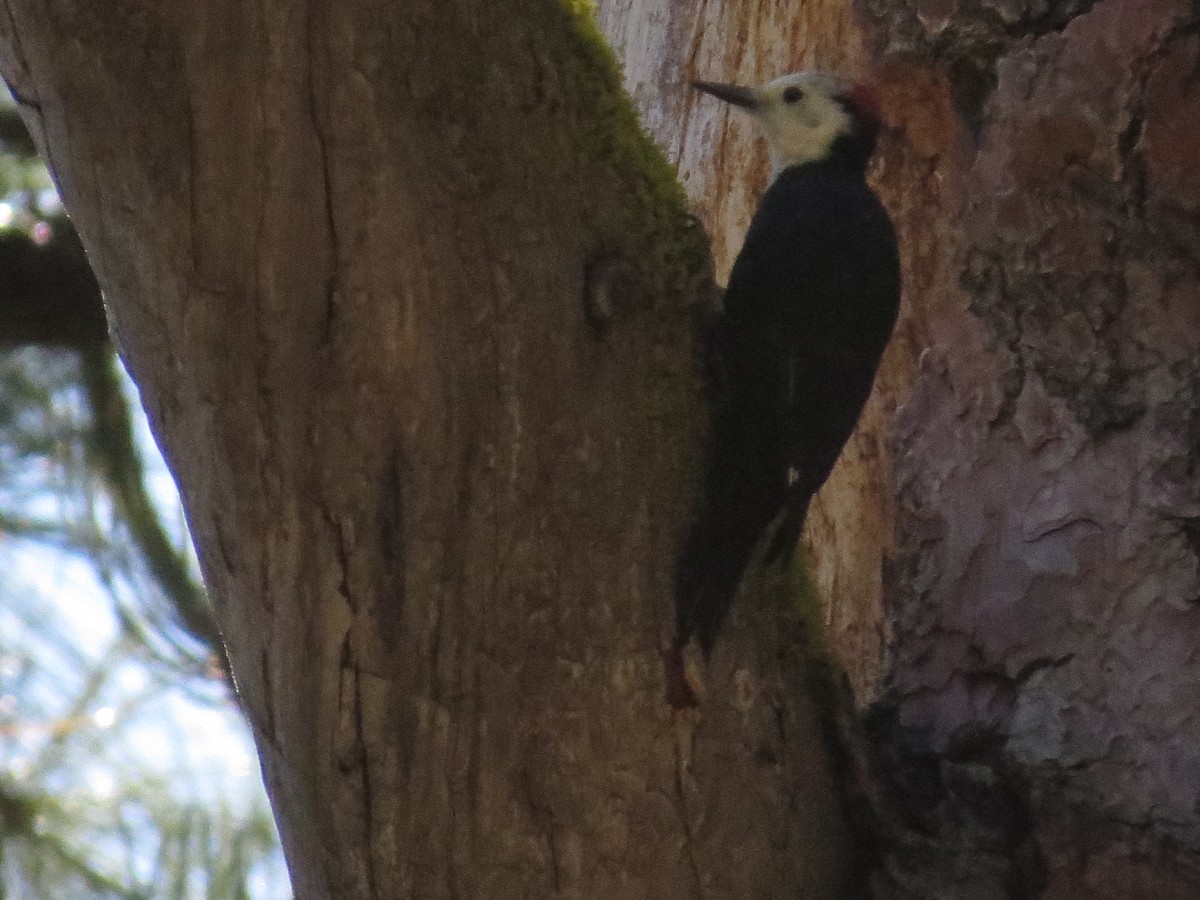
[(684, 688)]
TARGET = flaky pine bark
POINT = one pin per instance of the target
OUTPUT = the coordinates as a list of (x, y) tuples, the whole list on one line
[(410, 302), (1046, 622)]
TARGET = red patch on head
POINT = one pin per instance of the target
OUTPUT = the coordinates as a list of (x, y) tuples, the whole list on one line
[(864, 99)]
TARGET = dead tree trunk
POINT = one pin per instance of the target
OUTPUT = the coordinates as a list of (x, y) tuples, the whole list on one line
[(1022, 626)]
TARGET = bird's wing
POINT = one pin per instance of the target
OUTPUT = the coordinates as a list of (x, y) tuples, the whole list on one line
[(812, 299)]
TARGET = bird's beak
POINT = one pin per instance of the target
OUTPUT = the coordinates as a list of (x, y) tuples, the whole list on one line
[(746, 98)]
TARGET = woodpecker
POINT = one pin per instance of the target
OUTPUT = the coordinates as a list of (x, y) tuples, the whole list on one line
[(810, 305)]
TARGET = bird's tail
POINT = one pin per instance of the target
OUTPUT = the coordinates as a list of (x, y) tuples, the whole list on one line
[(707, 579), (791, 523)]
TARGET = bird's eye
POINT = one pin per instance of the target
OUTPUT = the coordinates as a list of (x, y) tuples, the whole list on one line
[(792, 95)]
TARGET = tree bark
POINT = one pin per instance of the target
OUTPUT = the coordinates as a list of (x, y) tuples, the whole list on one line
[(413, 325), (409, 299), (1044, 619)]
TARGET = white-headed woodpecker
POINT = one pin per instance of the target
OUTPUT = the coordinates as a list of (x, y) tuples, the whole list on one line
[(810, 304)]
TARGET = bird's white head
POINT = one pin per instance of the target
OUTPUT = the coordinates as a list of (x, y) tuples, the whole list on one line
[(803, 115)]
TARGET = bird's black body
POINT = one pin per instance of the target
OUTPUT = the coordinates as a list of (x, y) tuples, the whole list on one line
[(811, 302)]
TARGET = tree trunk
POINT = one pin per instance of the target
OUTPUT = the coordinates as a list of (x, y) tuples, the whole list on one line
[(410, 301), (410, 306)]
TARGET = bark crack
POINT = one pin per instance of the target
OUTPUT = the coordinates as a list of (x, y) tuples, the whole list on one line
[(352, 759), (342, 554), (364, 770), (268, 723), (326, 163), (1052, 22), (689, 837), (543, 817)]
